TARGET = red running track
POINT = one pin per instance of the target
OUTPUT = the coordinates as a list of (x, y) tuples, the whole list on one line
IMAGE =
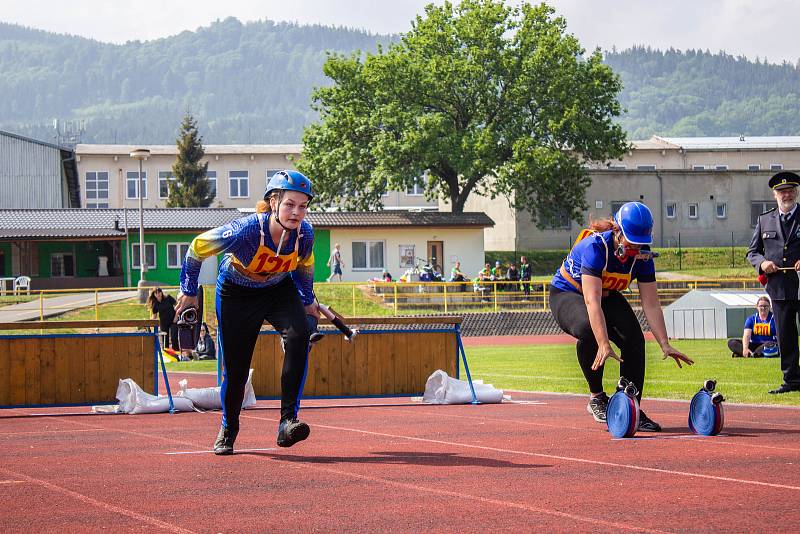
[(389, 465)]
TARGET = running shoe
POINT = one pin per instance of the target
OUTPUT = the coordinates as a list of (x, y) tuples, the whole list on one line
[(290, 431), (597, 407), (646, 424), (224, 444)]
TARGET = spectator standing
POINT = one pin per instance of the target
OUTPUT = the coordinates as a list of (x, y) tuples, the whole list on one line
[(525, 276), (162, 307), (775, 253), (335, 263)]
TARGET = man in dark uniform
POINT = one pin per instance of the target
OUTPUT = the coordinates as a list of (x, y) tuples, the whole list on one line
[(775, 253)]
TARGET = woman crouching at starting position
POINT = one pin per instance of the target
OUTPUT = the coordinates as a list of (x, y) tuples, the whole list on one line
[(586, 300), (267, 274)]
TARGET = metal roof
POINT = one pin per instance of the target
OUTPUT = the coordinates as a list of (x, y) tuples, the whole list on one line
[(398, 218), (32, 140), (733, 143), (87, 223), (172, 150)]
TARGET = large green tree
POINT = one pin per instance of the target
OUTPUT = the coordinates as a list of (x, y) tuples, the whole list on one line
[(189, 187), (480, 98)]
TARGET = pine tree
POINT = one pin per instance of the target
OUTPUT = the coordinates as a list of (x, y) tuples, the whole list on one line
[(189, 187)]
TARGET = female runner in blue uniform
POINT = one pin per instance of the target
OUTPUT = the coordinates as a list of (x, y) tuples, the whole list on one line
[(267, 274), (587, 303)]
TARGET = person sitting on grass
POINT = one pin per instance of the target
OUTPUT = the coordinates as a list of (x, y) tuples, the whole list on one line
[(205, 350), (759, 334)]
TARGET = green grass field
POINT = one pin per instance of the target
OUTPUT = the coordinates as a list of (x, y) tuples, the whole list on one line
[(555, 368)]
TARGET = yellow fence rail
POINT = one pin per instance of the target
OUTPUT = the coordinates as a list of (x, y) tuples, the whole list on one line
[(376, 299)]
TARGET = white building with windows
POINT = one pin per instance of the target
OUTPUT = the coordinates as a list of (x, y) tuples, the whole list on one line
[(238, 175), (703, 191)]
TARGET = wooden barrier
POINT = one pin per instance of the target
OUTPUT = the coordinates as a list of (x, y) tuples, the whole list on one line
[(60, 368), (380, 361)]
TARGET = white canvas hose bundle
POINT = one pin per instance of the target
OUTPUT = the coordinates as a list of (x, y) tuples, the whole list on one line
[(134, 400), (443, 389)]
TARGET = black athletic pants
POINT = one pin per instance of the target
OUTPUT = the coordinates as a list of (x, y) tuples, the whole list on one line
[(736, 346), (623, 327), (786, 312), (240, 313)]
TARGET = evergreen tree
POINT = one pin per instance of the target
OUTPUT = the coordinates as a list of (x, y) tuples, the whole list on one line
[(189, 187)]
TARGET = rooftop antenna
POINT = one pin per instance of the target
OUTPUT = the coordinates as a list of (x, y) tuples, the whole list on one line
[(741, 137)]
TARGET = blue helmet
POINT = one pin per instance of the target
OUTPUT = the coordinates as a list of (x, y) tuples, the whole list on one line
[(636, 223), (289, 181), (771, 350)]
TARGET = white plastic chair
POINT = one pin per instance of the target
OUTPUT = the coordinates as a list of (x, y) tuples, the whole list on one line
[(22, 282)]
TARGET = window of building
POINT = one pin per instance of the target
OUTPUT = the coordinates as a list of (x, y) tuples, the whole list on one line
[(175, 254), (646, 167), (96, 189), (418, 189), (617, 167), (720, 167), (558, 220), (757, 207), (694, 210), (776, 166), (698, 167), (368, 255), (754, 167), (722, 210), (211, 176), (62, 265), (149, 255), (671, 210), (132, 184), (238, 181), (164, 177)]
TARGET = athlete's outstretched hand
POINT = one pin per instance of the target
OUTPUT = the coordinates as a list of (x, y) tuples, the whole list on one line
[(184, 302), (604, 352), (678, 356)]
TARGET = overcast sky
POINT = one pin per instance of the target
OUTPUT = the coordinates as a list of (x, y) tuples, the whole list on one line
[(740, 27)]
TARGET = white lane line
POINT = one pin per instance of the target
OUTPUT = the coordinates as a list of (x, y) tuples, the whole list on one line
[(100, 504), (558, 457), (12, 481), (45, 432), (211, 451), (461, 495), (715, 439)]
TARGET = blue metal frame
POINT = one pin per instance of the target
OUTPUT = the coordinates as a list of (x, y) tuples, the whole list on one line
[(159, 356)]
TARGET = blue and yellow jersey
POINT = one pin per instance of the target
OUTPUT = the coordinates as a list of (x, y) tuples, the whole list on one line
[(763, 331), (251, 257), (592, 254)]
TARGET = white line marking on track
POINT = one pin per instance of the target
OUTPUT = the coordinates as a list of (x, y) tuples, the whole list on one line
[(100, 504), (211, 452), (716, 439), (497, 502), (559, 457), (30, 432), (12, 481)]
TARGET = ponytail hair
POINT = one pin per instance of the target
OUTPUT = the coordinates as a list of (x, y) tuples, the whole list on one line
[(602, 225)]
